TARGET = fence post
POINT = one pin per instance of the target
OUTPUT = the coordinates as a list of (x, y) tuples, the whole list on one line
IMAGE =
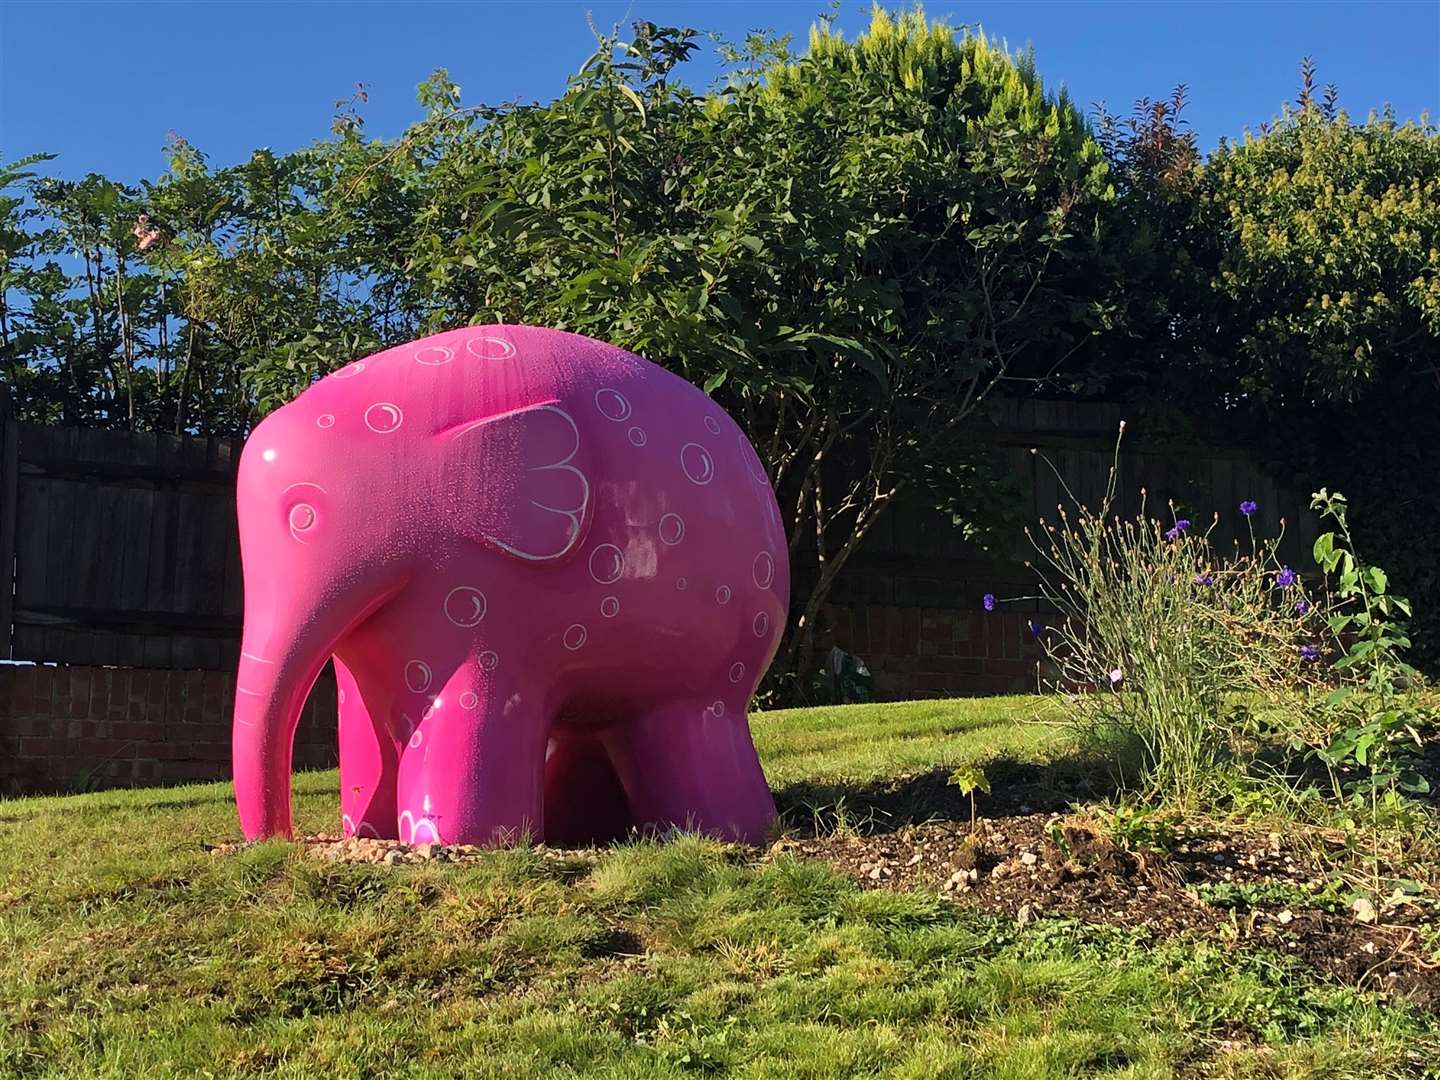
[(9, 496)]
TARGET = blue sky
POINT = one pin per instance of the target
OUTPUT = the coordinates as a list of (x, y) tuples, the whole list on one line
[(101, 84)]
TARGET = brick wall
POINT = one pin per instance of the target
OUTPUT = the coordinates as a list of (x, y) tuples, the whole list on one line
[(69, 728)]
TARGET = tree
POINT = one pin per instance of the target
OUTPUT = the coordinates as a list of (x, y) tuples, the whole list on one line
[(849, 249)]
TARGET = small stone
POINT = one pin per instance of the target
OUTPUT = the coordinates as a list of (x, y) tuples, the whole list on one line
[(1364, 911), (1025, 915), (915, 859), (1285, 918), (876, 871), (426, 851), (393, 857), (1368, 947), (1029, 858)]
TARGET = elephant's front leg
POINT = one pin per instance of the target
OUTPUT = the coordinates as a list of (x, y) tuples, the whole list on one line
[(692, 765), (473, 770), (369, 758)]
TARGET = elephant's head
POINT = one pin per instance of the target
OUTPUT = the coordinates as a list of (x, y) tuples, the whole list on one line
[(339, 498)]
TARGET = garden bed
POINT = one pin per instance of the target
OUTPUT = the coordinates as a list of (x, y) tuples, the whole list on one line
[(1237, 888)]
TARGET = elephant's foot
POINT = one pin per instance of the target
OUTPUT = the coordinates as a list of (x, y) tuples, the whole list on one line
[(472, 772), (369, 763), (584, 802), (692, 766)]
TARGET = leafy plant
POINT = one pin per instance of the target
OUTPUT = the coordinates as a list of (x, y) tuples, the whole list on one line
[(970, 779), (1371, 753)]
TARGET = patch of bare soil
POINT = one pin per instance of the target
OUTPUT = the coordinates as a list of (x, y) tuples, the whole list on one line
[(1236, 888)]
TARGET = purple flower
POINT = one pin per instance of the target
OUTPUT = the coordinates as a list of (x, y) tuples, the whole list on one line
[(1205, 579), (1285, 578), (1178, 530), (1035, 627), (1248, 507), (1302, 606), (1309, 653), (988, 600), (1116, 676)]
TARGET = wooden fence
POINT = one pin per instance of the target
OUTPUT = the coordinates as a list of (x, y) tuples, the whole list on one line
[(123, 549)]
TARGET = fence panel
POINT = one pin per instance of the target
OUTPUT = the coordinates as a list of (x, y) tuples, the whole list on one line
[(125, 552), (125, 549)]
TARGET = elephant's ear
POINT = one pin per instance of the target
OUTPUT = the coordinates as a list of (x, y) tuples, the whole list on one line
[(525, 487)]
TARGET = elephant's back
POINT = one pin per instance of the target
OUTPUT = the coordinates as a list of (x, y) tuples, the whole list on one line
[(684, 558)]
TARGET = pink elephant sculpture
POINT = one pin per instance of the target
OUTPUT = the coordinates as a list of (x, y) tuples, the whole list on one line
[(551, 575)]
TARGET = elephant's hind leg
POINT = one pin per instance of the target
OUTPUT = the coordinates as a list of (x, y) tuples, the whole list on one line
[(584, 801), (369, 760), (472, 772), (692, 765)]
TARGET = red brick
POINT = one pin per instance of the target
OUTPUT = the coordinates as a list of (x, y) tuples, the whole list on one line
[(44, 691), (22, 689)]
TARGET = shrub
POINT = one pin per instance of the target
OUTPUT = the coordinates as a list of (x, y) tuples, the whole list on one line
[(1191, 670)]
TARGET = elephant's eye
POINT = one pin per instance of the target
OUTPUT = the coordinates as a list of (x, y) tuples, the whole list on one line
[(302, 516)]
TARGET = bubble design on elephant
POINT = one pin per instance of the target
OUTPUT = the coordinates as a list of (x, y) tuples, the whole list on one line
[(612, 404), (468, 700), (434, 355), (384, 417), (610, 607), (325, 420), (737, 671), (465, 606), (698, 465), (418, 676), (575, 636), (637, 436), (752, 461), (607, 564), (712, 425), (349, 371), (761, 624), (722, 595), (763, 570), (672, 529), (485, 347), (489, 660)]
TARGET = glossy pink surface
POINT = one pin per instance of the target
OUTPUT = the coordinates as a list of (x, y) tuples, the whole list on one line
[(551, 575)]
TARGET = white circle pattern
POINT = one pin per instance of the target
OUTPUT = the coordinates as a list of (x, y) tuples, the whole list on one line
[(468, 700), (638, 436), (607, 563), (763, 570), (383, 417), (457, 611), (575, 636), (612, 404), (610, 607), (722, 594), (761, 624), (418, 676), (434, 355), (737, 671), (698, 465), (325, 420), (712, 425), (489, 661), (672, 529), (489, 348)]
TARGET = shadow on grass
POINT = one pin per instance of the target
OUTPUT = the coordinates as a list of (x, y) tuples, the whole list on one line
[(888, 805)]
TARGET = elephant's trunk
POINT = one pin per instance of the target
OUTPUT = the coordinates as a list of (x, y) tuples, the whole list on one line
[(277, 670)]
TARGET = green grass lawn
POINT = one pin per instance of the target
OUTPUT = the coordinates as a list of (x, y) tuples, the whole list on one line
[(127, 950)]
